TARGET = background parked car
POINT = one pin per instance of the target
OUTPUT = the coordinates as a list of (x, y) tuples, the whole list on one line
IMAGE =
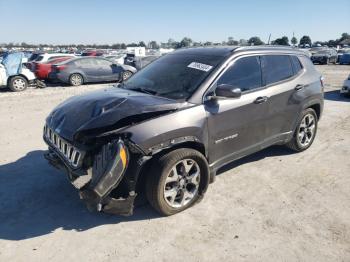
[(82, 70), (139, 62), (14, 74), (345, 59), (129, 59), (341, 52), (324, 56), (41, 58), (42, 70)]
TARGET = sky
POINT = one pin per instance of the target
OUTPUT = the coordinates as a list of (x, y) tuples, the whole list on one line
[(114, 21)]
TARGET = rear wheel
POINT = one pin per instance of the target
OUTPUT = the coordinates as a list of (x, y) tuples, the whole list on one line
[(18, 84), (76, 80), (305, 132), (178, 180)]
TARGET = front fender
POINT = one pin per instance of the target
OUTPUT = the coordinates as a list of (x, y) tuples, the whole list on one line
[(188, 125)]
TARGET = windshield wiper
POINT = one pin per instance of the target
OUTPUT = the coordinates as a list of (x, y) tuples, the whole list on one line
[(143, 90)]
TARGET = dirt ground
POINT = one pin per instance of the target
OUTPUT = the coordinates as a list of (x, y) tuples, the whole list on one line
[(272, 206)]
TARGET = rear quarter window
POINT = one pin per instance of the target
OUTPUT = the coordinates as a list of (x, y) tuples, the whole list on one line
[(39, 58), (276, 68), (296, 64)]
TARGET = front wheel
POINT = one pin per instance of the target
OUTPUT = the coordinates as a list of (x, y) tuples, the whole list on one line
[(305, 132), (76, 80), (126, 74), (177, 181), (18, 84)]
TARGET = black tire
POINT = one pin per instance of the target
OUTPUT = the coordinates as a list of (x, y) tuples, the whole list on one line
[(295, 144), (126, 74), (161, 168), (327, 61), (76, 79), (18, 84)]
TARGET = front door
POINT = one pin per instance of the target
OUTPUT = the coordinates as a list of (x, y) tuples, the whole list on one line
[(237, 125), (104, 70)]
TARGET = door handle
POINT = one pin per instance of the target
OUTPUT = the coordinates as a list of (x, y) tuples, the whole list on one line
[(299, 87), (261, 99)]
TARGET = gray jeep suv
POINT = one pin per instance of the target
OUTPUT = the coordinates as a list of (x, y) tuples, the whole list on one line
[(172, 125)]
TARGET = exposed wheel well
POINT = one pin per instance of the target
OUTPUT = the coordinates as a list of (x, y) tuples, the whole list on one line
[(146, 168), (317, 109), (190, 144)]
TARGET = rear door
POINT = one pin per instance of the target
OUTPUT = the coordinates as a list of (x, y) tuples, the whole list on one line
[(237, 125), (282, 78), (88, 68)]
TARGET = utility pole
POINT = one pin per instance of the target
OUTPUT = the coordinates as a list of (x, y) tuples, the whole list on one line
[(268, 42)]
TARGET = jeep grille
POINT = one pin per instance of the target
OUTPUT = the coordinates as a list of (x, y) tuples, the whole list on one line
[(71, 154)]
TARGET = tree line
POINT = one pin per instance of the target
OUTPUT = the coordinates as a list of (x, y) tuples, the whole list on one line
[(186, 42)]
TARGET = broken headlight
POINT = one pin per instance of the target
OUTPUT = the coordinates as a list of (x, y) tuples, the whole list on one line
[(109, 167)]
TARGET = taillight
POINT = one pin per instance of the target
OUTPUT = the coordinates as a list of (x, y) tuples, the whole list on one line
[(59, 67)]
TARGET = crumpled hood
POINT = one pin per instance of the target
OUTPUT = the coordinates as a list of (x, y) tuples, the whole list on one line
[(103, 109)]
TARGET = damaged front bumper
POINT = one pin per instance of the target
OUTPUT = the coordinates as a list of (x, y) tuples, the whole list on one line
[(37, 83), (96, 182)]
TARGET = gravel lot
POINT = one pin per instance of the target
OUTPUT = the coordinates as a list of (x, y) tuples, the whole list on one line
[(272, 206)]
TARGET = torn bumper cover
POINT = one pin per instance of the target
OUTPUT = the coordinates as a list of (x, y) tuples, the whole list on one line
[(96, 183)]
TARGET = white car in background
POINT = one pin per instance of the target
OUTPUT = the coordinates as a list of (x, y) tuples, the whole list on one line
[(18, 82), (46, 57)]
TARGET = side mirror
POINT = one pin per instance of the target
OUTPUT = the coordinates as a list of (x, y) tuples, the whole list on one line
[(229, 91)]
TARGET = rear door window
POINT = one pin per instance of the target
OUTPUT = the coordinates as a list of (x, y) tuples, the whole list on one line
[(245, 74), (276, 68), (102, 62)]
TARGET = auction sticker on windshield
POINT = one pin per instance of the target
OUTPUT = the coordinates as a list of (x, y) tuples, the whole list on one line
[(200, 66)]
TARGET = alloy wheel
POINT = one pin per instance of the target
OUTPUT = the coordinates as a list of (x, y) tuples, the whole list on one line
[(76, 80), (182, 183), (306, 130), (126, 75)]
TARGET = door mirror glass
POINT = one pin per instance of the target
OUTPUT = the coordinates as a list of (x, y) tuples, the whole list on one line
[(229, 91)]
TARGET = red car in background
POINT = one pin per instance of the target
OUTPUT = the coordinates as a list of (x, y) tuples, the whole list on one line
[(42, 70), (92, 53)]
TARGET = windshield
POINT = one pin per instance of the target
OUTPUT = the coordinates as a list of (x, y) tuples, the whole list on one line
[(175, 76)]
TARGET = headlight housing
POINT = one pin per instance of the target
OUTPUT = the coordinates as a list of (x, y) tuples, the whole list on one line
[(116, 155)]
